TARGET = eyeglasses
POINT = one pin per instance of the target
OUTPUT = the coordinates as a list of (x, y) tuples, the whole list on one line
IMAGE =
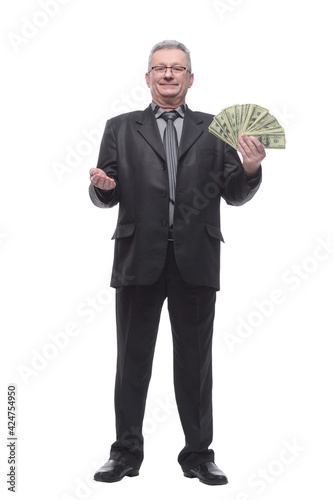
[(176, 70)]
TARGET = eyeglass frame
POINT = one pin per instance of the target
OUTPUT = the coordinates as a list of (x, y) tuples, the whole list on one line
[(169, 67)]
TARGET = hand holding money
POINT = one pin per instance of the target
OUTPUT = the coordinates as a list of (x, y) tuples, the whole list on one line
[(252, 152)]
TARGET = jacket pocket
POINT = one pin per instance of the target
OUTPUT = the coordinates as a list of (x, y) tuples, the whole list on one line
[(124, 230), (214, 232)]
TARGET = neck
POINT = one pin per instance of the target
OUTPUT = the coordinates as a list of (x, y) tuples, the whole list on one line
[(168, 105)]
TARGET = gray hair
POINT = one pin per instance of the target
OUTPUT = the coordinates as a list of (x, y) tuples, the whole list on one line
[(170, 44)]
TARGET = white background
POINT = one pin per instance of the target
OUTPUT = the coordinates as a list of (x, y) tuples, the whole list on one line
[(63, 75)]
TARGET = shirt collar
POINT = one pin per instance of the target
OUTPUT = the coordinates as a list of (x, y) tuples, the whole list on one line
[(158, 111)]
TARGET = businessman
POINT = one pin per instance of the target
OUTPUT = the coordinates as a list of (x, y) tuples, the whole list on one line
[(168, 175)]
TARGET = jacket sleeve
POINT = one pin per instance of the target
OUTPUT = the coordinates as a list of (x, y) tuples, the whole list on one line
[(237, 187), (107, 161)]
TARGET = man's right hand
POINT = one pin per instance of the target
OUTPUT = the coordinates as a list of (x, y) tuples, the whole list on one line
[(99, 179)]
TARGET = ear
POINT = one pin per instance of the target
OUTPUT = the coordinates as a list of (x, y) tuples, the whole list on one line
[(147, 78), (191, 79)]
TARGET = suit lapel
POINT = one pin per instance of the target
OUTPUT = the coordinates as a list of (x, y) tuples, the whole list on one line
[(192, 129), (147, 127)]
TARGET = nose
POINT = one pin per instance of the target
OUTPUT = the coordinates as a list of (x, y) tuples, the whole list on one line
[(168, 73)]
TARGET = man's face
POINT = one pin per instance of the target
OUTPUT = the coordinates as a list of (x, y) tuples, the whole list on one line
[(168, 88)]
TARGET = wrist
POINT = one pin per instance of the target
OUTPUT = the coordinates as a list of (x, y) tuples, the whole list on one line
[(252, 172)]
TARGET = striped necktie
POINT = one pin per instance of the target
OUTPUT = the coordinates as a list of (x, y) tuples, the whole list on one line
[(170, 143)]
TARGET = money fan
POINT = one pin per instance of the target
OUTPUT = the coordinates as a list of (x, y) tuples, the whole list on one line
[(249, 119)]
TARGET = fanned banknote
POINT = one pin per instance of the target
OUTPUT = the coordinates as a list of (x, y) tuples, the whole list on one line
[(249, 119)]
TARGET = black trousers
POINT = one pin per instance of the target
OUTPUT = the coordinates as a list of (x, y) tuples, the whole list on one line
[(191, 311)]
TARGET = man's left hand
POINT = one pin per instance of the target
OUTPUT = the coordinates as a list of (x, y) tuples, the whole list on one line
[(253, 153)]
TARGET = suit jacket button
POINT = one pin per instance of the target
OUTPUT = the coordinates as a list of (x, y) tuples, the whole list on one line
[(164, 222), (164, 166), (163, 194)]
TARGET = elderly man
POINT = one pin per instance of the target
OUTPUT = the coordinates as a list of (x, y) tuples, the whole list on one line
[(168, 174)]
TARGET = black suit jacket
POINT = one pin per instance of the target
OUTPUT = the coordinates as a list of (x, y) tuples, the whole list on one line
[(132, 153)]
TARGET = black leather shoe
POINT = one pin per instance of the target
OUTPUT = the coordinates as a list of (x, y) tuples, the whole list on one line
[(208, 473), (113, 471)]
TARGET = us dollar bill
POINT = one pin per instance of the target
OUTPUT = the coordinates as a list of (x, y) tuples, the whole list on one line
[(251, 119), (271, 141), (216, 129)]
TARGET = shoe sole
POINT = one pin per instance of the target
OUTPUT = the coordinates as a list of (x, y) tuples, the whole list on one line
[(131, 473)]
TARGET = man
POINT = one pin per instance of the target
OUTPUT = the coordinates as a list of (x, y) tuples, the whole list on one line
[(167, 244)]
